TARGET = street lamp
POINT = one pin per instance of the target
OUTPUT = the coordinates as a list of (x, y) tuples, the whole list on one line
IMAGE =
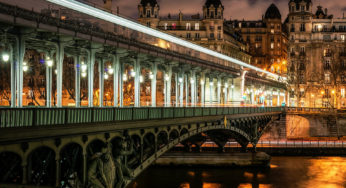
[(84, 67), (105, 76), (110, 70), (151, 76), (192, 81), (5, 57), (25, 67), (84, 74), (166, 77), (180, 80), (133, 73), (49, 62), (124, 77)]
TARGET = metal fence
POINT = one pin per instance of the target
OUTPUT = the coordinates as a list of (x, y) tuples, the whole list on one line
[(287, 144), (24, 117)]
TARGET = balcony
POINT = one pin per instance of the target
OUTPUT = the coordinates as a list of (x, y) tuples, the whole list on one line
[(181, 28)]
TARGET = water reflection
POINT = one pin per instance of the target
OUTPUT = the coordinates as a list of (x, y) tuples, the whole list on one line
[(287, 172)]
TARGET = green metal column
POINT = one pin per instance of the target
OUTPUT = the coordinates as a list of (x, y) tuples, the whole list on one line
[(137, 69), (49, 80), (202, 89), (117, 73), (169, 86), (219, 90), (77, 65), (20, 40), (59, 68), (181, 89), (101, 81), (13, 78), (176, 90), (153, 84), (187, 95), (91, 63)]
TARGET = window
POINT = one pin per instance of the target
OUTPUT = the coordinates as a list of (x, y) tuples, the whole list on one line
[(292, 8), (219, 28), (343, 92), (292, 28), (272, 31), (196, 26), (343, 79), (188, 35), (272, 45), (327, 65), (148, 24), (327, 78), (272, 39), (211, 28), (302, 27), (197, 35), (211, 14), (327, 52), (188, 26), (219, 35), (342, 37), (302, 49), (166, 25), (148, 13), (211, 35), (174, 26), (302, 8)]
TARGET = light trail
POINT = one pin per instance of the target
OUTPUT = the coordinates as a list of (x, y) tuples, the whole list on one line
[(86, 9)]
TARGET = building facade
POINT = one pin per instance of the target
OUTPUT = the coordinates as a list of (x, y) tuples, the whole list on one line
[(267, 40), (317, 56), (208, 30)]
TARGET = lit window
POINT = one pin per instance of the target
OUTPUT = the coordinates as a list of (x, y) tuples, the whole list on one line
[(197, 26), (342, 37), (327, 78), (174, 26), (188, 35), (188, 26), (343, 92), (166, 25), (272, 31), (272, 45)]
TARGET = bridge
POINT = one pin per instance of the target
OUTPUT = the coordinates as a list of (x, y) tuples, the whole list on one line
[(108, 88)]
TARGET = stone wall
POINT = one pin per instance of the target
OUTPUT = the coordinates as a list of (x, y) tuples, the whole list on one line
[(293, 126)]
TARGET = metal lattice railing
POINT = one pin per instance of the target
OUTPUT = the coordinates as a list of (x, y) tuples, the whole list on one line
[(25, 117)]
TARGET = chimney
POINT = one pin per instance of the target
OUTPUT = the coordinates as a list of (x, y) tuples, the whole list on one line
[(326, 11)]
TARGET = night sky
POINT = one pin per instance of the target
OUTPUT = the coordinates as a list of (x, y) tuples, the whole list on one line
[(235, 9)]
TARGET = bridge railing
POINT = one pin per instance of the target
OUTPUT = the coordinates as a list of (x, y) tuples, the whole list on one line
[(26, 117), (310, 110)]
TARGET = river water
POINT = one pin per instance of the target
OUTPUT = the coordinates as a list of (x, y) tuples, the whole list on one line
[(285, 172)]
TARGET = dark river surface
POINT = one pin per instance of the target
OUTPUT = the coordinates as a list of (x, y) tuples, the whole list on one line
[(285, 172)]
